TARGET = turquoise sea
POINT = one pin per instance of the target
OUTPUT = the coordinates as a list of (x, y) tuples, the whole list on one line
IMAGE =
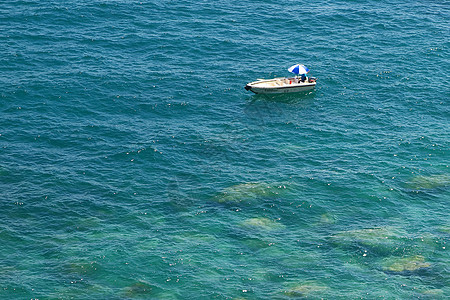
[(134, 165)]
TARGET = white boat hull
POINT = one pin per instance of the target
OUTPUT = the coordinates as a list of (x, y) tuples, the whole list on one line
[(280, 85)]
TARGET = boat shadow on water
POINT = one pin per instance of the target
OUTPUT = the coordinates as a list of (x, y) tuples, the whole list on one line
[(305, 97)]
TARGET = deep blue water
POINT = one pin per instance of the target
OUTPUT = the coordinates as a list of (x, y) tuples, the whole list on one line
[(133, 164)]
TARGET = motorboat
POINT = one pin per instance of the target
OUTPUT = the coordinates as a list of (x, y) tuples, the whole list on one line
[(280, 85)]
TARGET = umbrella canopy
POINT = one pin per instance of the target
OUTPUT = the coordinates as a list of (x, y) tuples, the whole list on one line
[(298, 69)]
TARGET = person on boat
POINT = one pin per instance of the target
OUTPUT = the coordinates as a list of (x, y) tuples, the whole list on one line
[(303, 78)]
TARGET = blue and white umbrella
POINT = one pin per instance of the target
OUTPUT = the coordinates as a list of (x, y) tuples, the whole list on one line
[(298, 69)]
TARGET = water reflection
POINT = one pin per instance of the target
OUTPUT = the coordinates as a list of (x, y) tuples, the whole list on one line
[(306, 98)]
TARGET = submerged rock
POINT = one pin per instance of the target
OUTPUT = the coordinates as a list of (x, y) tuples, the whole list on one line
[(262, 223), (255, 244), (140, 289), (88, 224), (429, 182), (444, 229), (305, 289), (248, 191), (433, 292), (380, 239), (410, 264), (327, 219)]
